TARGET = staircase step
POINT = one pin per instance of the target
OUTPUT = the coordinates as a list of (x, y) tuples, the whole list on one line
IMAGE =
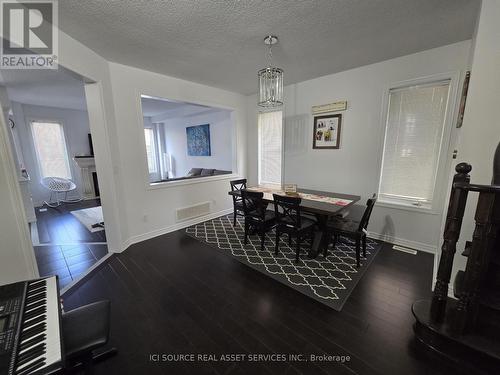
[(491, 298), (472, 353), (488, 322)]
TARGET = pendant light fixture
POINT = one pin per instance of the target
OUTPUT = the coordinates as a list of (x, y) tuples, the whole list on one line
[(270, 80)]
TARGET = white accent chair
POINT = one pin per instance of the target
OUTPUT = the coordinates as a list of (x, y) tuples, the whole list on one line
[(56, 186)]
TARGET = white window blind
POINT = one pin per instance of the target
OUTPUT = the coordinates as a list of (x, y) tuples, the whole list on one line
[(50, 149), (149, 137), (270, 125), (416, 118)]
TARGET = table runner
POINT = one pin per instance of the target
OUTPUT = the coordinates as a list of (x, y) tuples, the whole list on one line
[(306, 196)]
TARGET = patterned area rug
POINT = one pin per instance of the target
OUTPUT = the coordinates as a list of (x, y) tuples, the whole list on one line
[(329, 281)]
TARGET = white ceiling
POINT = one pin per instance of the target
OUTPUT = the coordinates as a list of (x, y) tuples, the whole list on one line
[(219, 42), (152, 107), (51, 88)]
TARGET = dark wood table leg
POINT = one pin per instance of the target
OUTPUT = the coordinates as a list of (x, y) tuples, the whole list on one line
[(320, 238)]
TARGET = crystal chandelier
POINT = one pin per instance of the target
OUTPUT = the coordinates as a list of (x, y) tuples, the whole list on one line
[(270, 80)]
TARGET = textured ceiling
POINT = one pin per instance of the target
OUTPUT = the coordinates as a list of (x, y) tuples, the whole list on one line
[(219, 42)]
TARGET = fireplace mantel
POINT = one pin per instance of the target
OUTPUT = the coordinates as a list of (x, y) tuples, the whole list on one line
[(87, 169)]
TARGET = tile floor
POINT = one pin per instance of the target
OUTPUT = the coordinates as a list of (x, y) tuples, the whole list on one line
[(69, 262), (65, 247)]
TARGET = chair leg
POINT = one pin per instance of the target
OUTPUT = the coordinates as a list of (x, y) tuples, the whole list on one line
[(262, 237), (364, 246), (94, 358), (234, 218), (357, 252), (277, 244), (298, 250), (325, 250), (334, 240)]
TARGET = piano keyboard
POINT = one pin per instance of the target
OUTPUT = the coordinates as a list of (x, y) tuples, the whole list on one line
[(36, 346)]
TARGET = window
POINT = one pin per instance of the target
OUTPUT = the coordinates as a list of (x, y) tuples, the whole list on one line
[(415, 125), (270, 125), (50, 149), (151, 150), (186, 141)]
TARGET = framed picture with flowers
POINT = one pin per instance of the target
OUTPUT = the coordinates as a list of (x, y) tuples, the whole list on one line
[(326, 134)]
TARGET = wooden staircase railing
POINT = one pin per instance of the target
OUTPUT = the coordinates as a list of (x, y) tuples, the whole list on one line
[(454, 217), (466, 329), (484, 241)]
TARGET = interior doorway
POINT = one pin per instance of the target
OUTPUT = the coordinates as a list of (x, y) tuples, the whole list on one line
[(52, 149)]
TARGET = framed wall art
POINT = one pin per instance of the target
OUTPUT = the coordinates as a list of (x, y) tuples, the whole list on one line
[(463, 100), (198, 140), (326, 133)]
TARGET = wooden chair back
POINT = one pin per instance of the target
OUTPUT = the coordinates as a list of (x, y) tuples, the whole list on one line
[(253, 204), (287, 211), (238, 185), (363, 224)]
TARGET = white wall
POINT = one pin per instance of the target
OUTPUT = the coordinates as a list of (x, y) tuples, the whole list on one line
[(76, 57), (16, 253), (149, 210), (132, 210), (221, 140), (480, 133), (76, 130), (16, 262), (355, 167)]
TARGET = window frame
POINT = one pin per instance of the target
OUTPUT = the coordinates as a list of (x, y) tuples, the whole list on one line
[(282, 159), (154, 132), (445, 158), (67, 149), (234, 114)]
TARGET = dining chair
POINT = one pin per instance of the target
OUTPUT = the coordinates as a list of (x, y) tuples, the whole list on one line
[(257, 217), (237, 201), (353, 228), (289, 221)]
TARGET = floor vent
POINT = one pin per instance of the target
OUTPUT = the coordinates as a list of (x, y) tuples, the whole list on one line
[(405, 249), (190, 212)]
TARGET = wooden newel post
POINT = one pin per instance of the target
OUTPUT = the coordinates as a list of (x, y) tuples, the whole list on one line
[(456, 208)]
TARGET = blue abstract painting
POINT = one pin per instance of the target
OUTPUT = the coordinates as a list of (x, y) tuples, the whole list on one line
[(198, 140)]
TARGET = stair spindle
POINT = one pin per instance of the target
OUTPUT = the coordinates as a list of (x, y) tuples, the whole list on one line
[(483, 243), (454, 217)]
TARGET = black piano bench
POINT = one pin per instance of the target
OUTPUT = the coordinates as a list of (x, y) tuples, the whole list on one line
[(86, 329)]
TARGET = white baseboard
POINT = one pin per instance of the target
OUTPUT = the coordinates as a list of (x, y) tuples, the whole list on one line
[(173, 228), (403, 242)]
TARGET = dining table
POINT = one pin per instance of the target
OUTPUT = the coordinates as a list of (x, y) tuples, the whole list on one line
[(321, 204)]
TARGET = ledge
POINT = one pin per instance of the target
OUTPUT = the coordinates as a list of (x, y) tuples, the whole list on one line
[(189, 181), (407, 207)]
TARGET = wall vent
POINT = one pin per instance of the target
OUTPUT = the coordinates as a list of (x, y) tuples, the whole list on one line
[(190, 212)]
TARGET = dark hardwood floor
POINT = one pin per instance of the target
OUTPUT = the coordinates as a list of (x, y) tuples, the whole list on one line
[(67, 248), (58, 226), (69, 262), (175, 295)]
